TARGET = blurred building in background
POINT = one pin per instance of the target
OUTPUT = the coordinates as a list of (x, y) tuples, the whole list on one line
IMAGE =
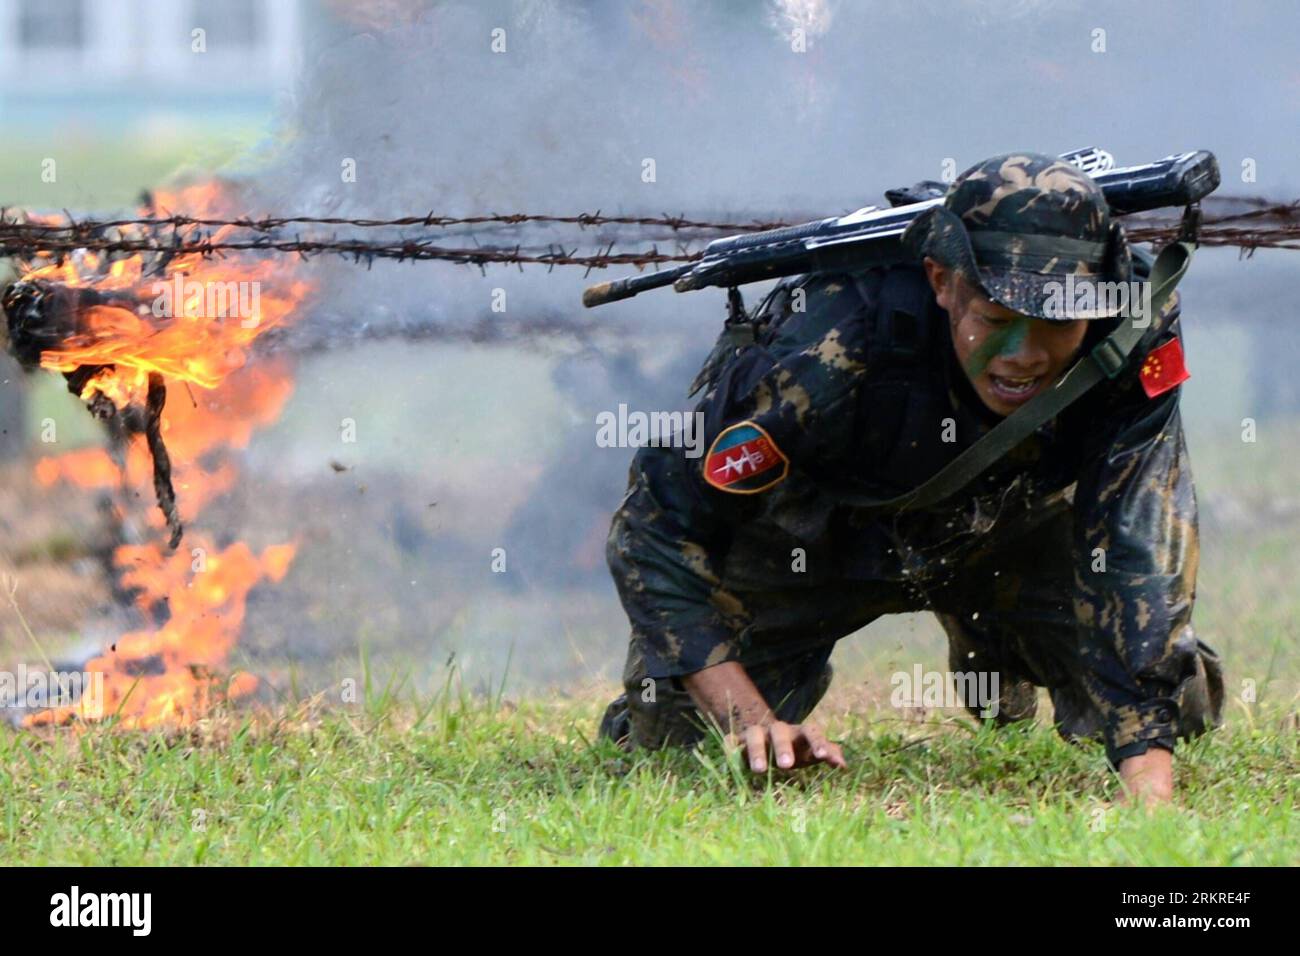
[(121, 93), (117, 61)]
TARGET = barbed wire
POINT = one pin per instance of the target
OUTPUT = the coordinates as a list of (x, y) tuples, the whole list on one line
[(1282, 237), (1248, 240), (1260, 225), (1259, 208), (430, 220), (360, 250)]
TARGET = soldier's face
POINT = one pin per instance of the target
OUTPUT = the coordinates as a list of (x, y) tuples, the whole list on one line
[(1008, 357)]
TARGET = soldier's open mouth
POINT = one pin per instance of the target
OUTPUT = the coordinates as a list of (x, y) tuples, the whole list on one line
[(1014, 390)]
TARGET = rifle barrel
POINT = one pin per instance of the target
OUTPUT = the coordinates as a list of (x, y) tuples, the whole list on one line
[(616, 289)]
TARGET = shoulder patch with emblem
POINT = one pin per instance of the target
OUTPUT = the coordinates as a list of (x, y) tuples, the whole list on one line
[(744, 460), (1163, 369)]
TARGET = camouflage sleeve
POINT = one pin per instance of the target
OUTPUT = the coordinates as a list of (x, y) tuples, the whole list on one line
[(783, 404), (1136, 537)]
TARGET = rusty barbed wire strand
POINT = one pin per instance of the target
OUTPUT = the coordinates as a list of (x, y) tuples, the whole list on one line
[(272, 223), (1278, 237), (55, 240), (1281, 237), (1262, 208), (358, 250)]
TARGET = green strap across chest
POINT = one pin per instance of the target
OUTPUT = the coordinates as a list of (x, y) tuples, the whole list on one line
[(1106, 360)]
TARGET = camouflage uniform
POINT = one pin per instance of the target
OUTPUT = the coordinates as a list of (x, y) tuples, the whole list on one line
[(861, 394)]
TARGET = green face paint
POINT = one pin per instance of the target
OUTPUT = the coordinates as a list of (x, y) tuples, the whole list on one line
[(1004, 341)]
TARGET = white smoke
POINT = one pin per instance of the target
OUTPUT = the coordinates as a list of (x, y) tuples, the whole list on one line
[(812, 18)]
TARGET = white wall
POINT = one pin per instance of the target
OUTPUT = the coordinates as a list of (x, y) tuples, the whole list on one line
[(127, 43)]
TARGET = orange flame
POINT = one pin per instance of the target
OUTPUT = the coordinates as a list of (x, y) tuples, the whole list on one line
[(193, 599), (192, 324)]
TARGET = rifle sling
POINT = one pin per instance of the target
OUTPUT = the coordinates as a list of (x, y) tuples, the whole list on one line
[(1105, 360)]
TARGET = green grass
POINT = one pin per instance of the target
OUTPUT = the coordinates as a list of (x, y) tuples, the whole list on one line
[(450, 778), (479, 781), (95, 174)]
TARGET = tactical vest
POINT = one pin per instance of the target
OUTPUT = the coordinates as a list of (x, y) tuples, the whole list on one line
[(901, 402)]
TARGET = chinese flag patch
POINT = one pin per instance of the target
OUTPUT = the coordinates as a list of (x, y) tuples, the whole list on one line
[(1163, 369), (744, 460)]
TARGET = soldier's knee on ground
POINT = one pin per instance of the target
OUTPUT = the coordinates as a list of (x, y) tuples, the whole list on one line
[(1017, 700), (969, 651), (652, 714)]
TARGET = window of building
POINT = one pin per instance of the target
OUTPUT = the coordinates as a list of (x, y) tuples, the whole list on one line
[(230, 24), (46, 24)]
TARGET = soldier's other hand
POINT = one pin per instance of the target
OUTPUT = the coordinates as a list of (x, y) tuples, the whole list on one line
[(787, 745), (1147, 779)]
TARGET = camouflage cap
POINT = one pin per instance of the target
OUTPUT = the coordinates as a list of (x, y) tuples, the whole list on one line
[(1018, 225)]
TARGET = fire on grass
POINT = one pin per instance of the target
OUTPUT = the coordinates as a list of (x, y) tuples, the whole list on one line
[(158, 348)]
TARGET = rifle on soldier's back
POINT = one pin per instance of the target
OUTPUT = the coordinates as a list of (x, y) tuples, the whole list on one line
[(870, 236)]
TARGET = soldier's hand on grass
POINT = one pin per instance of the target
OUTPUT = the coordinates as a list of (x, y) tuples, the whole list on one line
[(726, 693), (1147, 779), (787, 745)]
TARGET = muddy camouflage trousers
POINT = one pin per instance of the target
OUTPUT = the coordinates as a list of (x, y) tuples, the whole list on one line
[(1009, 612)]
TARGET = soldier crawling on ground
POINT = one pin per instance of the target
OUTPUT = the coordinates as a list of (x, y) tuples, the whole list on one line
[(1069, 563)]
